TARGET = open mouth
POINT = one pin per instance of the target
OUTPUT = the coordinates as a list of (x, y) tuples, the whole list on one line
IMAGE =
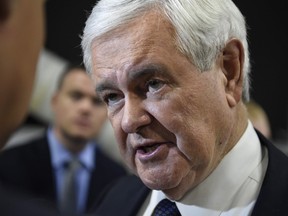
[(148, 149), (152, 152)]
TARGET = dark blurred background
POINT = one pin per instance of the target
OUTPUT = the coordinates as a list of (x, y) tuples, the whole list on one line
[(267, 24)]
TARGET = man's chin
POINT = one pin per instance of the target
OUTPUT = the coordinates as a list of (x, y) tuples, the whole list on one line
[(157, 183), (79, 137)]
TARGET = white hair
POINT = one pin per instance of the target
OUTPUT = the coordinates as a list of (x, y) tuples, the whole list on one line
[(203, 27)]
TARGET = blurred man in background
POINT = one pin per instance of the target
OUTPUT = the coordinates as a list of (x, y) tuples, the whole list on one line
[(42, 166)]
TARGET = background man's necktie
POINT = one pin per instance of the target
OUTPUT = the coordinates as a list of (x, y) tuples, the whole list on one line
[(68, 203), (166, 208)]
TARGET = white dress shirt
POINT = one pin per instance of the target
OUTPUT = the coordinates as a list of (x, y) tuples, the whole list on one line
[(60, 155), (231, 189)]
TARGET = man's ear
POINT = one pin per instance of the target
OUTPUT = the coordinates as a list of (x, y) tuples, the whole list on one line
[(232, 67)]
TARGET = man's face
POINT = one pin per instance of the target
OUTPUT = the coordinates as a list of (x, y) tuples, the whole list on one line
[(79, 114), (170, 120)]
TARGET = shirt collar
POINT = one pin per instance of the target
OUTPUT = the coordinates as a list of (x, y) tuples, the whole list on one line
[(60, 155)]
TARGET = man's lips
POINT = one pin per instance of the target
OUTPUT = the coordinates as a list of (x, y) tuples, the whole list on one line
[(147, 149), (152, 151), (82, 123)]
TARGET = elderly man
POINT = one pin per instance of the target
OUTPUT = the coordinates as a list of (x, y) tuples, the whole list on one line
[(174, 75)]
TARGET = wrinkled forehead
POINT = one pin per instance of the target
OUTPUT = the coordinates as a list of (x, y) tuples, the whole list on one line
[(143, 30), (130, 42)]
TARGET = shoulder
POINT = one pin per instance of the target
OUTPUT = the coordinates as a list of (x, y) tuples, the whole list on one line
[(126, 197), (103, 161), (273, 196), (132, 181), (275, 155), (28, 147), (13, 203), (24, 153)]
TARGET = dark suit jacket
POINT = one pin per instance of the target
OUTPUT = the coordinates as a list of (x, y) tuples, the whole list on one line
[(28, 168), (17, 204), (127, 196)]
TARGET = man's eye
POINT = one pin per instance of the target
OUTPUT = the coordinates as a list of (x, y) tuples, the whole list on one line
[(154, 85), (111, 98), (75, 95)]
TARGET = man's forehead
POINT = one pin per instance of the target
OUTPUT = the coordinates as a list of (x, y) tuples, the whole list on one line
[(143, 27), (116, 53), (121, 53)]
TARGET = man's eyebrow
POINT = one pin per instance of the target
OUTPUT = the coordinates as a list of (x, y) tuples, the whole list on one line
[(104, 86), (138, 73), (149, 70)]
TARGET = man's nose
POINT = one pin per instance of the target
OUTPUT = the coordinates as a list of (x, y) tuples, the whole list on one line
[(134, 116), (86, 105)]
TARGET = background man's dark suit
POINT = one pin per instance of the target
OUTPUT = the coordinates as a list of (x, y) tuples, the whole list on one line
[(128, 195), (28, 167), (15, 204)]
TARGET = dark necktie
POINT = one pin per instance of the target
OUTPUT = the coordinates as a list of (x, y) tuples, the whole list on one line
[(166, 208), (69, 194)]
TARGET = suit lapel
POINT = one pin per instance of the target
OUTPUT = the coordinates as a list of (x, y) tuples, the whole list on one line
[(92, 188), (127, 196), (46, 179), (273, 199)]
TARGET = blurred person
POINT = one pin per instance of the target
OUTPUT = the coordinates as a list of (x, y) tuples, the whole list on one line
[(21, 39), (259, 118), (38, 166), (174, 75), (49, 67)]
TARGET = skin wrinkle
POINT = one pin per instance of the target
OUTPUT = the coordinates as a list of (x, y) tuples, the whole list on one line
[(190, 111)]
